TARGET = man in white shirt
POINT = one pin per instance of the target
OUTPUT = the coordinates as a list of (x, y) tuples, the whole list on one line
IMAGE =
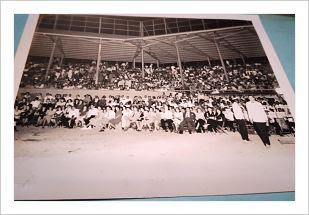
[(70, 116), (258, 118), (229, 119), (92, 112), (240, 119), (167, 119), (36, 103)]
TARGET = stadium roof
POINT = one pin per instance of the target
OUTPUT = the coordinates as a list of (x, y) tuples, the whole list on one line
[(123, 38)]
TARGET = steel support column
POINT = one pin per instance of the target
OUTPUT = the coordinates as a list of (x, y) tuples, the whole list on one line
[(243, 59), (143, 69), (165, 25), (222, 62), (51, 59), (61, 60), (100, 23), (158, 64), (56, 22), (134, 63), (179, 65), (153, 27), (98, 64), (235, 61), (209, 64), (203, 22), (141, 29)]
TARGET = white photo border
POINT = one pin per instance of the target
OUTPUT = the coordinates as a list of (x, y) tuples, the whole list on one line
[(299, 8)]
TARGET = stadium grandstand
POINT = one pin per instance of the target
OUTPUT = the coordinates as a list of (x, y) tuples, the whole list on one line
[(114, 56), (145, 53)]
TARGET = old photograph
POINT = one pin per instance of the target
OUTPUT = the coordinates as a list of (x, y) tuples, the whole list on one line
[(130, 107)]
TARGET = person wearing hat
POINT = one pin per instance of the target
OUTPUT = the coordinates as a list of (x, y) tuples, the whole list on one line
[(258, 118)]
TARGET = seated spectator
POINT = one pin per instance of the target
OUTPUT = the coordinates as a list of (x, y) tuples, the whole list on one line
[(178, 118), (82, 76), (200, 121), (49, 115), (92, 112), (167, 119), (167, 112), (188, 121)]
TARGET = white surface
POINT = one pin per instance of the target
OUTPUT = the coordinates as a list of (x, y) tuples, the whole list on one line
[(86, 164), (299, 206)]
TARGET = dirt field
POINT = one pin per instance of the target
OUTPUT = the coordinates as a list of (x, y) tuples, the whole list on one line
[(85, 164)]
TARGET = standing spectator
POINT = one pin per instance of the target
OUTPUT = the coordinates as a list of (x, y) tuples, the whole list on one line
[(229, 119), (258, 118), (240, 119)]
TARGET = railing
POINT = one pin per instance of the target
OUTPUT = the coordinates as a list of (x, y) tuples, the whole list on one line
[(130, 26), (232, 92), (132, 93)]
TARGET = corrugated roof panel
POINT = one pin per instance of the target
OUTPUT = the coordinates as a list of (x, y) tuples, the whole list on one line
[(196, 48)]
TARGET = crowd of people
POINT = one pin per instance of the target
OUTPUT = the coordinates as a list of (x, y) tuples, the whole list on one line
[(174, 112), (123, 76)]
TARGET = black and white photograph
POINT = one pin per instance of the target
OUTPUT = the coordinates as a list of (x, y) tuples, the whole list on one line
[(113, 106)]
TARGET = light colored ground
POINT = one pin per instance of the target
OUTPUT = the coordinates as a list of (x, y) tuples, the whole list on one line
[(84, 164)]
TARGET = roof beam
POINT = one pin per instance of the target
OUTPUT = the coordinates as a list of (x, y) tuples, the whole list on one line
[(139, 50), (147, 37), (166, 53), (56, 40), (198, 50), (150, 44), (61, 47), (191, 32), (194, 50), (81, 36), (252, 31), (185, 39), (231, 47), (231, 34), (152, 54), (225, 46)]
